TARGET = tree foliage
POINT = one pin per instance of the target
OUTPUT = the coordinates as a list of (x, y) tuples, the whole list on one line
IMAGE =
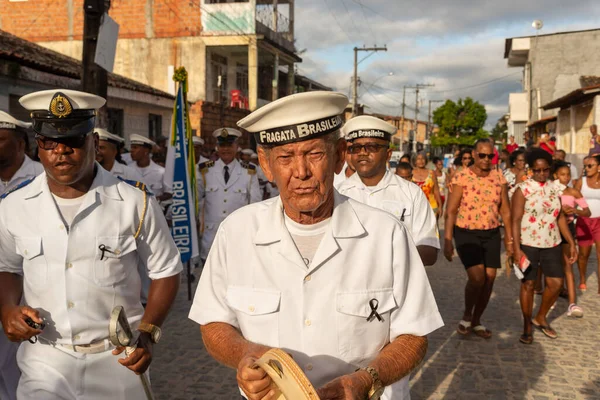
[(460, 123)]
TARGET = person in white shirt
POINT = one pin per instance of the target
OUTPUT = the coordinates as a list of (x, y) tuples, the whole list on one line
[(70, 243), (224, 186), (338, 284), (152, 174), (262, 180), (15, 169), (198, 150), (108, 149), (375, 185)]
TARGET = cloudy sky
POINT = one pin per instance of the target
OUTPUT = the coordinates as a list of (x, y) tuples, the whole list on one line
[(456, 45)]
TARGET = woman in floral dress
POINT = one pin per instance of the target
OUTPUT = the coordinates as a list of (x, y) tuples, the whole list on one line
[(537, 225), (426, 180)]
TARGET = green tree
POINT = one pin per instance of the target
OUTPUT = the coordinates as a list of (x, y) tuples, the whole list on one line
[(460, 123), (500, 131)]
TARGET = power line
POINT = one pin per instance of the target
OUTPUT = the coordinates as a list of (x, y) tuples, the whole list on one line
[(362, 8), (337, 22), (372, 10), (476, 85), (349, 16)]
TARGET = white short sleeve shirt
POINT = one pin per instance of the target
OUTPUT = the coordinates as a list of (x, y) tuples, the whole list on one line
[(404, 200), (318, 314)]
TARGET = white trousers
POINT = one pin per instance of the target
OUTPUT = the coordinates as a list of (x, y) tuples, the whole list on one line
[(9, 371), (52, 373)]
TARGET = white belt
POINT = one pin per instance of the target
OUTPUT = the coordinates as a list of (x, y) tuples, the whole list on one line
[(92, 348)]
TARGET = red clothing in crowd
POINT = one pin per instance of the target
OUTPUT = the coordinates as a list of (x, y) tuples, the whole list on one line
[(512, 147), (544, 146)]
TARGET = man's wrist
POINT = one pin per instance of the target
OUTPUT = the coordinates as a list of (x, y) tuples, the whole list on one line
[(365, 379)]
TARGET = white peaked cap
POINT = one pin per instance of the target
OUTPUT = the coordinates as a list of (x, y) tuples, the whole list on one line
[(366, 126), (134, 138)]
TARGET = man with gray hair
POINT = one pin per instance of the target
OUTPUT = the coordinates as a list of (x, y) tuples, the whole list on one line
[(338, 284)]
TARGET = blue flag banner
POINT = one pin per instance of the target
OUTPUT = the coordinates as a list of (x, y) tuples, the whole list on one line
[(180, 165)]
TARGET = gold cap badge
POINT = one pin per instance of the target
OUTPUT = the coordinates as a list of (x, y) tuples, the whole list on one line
[(60, 106), (224, 133)]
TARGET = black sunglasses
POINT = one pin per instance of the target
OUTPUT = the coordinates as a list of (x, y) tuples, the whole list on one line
[(484, 155), (540, 170), (591, 165), (369, 148), (74, 142)]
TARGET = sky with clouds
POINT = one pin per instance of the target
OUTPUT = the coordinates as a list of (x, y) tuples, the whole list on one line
[(457, 45)]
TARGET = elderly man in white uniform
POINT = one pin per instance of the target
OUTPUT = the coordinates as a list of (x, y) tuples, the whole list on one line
[(152, 174), (338, 284), (70, 243), (15, 169), (375, 185), (224, 186)]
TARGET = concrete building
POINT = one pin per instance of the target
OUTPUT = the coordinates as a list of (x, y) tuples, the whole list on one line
[(240, 53), (26, 67), (552, 66)]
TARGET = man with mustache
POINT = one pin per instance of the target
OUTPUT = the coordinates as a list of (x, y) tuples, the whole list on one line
[(224, 186), (15, 169), (374, 184), (338, 284), (70, 244)]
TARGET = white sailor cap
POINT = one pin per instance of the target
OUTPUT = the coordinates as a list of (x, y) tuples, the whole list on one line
[(297, 117), (254, 155), (103, 134), (134, 138), (226, 135), (366, 126), (247, 152), (62, 113), (197, 140), (7, 121)]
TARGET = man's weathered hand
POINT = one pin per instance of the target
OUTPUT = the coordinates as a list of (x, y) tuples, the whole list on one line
[(348, 387), (14, 325), (140, 359), (253, 380)]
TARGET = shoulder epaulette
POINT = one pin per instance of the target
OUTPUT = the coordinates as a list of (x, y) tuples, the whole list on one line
[(205, 165), (19, 186), (249, 166), (136, 184)]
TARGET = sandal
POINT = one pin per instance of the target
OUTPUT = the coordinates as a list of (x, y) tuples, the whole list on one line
[(583, 287), (482, 332), (464, 327), (575, 311), (526, 338), (546, 329)]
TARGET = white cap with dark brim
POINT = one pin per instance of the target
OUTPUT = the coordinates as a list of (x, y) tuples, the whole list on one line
[(7, 121), (197, 140), (226, 135), (247, 152), (60, 113), (366, 126), (295, 118), (103, 134), (134, 138)]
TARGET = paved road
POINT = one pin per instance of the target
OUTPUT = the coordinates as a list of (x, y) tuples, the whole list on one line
[(455, 367)]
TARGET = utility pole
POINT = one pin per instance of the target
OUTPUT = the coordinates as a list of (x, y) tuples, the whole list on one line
[(428, 136), (417, 88), (355, 79), (94, 79), (402, 123)]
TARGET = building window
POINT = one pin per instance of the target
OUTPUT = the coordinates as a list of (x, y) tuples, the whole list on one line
[(154, 126), (241, 78), (115, 121), (218, 65)]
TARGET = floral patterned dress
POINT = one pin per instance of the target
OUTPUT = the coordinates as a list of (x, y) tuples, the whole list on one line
[(539, 227), (427, 188), (480, 201)]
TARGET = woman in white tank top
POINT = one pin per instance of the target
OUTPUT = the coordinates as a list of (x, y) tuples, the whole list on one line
[(588, 229)]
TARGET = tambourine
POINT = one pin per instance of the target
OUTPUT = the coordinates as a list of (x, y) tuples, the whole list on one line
[(288, 379)]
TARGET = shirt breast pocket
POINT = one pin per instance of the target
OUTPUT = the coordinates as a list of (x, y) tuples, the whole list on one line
[(359, 336), (257, 313), (397, 209), (111, 264), (35, 266)]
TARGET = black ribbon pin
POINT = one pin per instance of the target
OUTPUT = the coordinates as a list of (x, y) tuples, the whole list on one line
[(401, 219), (374, 303), (104, 249)]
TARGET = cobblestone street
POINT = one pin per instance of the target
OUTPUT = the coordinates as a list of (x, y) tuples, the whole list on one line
[(455, 367)]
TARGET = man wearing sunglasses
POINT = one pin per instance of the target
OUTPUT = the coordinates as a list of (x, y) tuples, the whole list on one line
[(70, 244), (375, 185)]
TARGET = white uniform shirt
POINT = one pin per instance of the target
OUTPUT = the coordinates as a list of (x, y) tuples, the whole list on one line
[(125, 172), (318, 314), (154, 176), (340, 178), (219, 199), (397, 196), (63, 275), (29, 169)]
